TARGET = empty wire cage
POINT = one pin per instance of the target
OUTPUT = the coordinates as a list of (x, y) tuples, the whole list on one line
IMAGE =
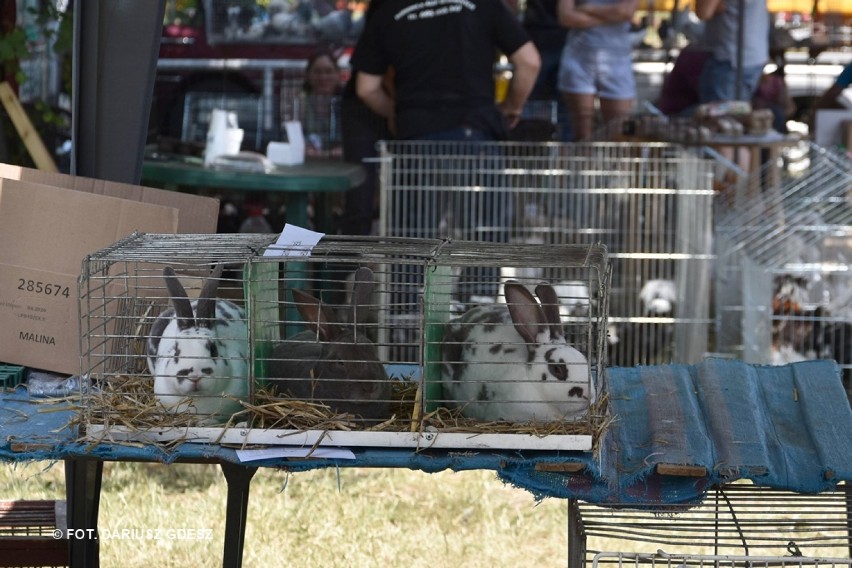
[(248, 108), (736, 525), (662, 559), (783, 283), (649, 204), (320, 117), (210, 331)]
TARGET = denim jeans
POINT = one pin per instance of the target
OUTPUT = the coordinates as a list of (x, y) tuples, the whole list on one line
[(718, 82)]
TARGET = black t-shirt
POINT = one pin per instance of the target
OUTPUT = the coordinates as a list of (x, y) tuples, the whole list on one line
[(542, 23), (442, 52)]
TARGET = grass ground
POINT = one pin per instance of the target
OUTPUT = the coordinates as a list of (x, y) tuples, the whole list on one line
[(329, 518), (174, 516)]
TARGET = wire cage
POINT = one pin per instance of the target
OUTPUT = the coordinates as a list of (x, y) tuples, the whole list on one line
[(34, 533), (304, 345), (736, 525), (320, 117), (784, 266), (308, 22), (650, 204), (249, 108), (540, 122), (662, 559), (535, 356)]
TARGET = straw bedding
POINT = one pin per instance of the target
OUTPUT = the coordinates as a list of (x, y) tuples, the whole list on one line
[(129, 402)]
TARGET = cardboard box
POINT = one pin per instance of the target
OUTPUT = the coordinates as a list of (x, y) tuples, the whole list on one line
[(47, 231), (197, 214)]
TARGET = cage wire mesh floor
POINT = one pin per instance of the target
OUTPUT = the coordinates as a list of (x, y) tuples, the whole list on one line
[(348, 344), (649, 204)]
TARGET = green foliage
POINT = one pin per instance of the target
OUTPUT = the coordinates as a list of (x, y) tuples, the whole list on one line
[(42, 26), (13, 45)]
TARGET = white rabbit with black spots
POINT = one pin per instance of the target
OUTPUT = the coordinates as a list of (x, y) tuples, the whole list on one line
[(511, 362), (198, 352)]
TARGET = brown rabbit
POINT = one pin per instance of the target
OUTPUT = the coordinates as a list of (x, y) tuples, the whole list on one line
[(333, 363)]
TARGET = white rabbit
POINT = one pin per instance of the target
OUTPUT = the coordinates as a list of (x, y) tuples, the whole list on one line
[(658, 297), (197, 352), (511, 362), (575, 299)]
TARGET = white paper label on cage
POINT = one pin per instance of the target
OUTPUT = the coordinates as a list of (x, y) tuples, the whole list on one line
[(275, 453), (294, 241)]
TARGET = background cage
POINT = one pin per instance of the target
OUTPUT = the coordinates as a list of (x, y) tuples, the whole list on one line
[(249, 108), (784, 265), (320, 116), (122, 291), (649, 204), (736, 525), (309, 22)]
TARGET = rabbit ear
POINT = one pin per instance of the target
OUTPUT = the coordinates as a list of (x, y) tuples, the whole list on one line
[(363, 286), (183, 308), (318, 317), (362, 290), (206, 307), (550, 306), (526, 313)]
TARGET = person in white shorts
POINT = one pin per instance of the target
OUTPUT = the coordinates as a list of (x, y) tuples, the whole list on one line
[(596, 61)]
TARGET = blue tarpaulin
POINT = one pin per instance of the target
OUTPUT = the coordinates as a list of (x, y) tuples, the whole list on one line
[(787, 427)]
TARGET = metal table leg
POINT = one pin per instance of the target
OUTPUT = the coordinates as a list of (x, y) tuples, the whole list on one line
[(83, 495), (576, 536), (239, 479)]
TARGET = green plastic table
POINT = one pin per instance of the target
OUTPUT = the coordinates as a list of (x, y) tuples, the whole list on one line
[(313, 176)]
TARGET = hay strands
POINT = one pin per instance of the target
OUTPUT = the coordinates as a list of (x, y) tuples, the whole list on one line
[(128, 405)]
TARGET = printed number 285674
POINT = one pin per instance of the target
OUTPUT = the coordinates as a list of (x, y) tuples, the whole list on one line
[(43, 288)]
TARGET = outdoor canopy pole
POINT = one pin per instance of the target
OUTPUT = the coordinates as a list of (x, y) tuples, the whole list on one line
[(738, 94), (114, 63)]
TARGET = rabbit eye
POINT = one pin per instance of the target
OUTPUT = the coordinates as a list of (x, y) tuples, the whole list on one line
[(558, 371)]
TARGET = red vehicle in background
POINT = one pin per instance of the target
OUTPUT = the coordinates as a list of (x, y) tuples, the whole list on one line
[(251, 52)]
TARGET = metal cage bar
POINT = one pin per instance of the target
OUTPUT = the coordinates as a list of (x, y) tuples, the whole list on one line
[(649, 204), (739, 522)]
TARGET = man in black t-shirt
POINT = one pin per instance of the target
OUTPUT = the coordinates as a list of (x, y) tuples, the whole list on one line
[(442, 53)]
